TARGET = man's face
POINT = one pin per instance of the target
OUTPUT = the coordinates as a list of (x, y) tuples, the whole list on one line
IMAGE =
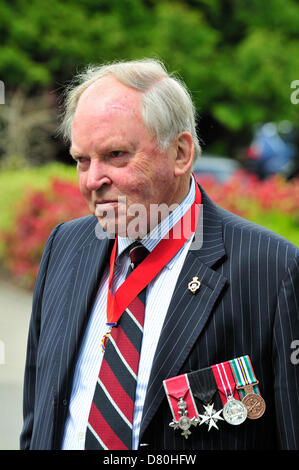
[(118, 161)]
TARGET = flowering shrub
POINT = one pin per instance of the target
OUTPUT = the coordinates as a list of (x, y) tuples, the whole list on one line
[(273, 203), (245, 195), (37, 215)]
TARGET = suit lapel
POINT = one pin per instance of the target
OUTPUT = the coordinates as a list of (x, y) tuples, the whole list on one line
[(187, 313), (87, 268)]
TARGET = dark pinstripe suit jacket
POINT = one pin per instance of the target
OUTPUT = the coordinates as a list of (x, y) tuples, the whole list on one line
[(248, 304)]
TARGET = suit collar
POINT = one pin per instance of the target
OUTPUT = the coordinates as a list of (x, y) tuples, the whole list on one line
[(209, 232)]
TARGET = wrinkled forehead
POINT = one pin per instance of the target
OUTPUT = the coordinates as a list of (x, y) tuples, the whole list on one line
[(107, 112), (108, 96)]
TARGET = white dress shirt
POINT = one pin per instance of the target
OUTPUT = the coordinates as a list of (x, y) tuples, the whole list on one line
[(158, 297)]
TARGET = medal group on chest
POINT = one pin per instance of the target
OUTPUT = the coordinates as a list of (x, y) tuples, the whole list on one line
[(227, 391)]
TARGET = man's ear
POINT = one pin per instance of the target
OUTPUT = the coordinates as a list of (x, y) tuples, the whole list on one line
[(184, 153)]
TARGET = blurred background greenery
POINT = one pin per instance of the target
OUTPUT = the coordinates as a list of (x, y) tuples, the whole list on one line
[(237, 57)]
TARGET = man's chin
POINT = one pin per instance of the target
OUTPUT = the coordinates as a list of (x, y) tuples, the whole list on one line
[(123, 229)]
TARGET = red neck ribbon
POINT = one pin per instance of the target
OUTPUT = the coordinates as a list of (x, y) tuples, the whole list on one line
[(152, 264)]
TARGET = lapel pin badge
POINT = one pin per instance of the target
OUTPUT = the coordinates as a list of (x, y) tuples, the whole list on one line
[(194, 285)]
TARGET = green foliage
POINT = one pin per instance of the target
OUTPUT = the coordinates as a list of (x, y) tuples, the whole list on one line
[(284, 224), (238, 58)]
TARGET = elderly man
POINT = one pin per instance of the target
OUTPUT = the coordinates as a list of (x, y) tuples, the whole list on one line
[(157, 329)]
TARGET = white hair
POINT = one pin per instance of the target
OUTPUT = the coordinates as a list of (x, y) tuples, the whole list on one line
[(167, 106)]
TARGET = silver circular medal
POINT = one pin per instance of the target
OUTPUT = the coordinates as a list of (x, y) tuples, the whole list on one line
[(234, 411), (184, 423)]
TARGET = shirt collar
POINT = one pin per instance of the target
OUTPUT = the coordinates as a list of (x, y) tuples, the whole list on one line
[(160, 230)]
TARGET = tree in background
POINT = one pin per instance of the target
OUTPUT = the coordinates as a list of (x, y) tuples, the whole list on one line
[(26, 126), (238, 57)]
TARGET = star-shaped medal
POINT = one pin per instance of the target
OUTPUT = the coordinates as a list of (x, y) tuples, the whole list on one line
[(184, 423), (211, 416)]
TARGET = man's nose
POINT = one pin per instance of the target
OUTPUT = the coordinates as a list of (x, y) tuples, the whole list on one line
[(97, 176)]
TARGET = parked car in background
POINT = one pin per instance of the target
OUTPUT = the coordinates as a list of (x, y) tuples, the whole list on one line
[(219, 168), (273, 151)]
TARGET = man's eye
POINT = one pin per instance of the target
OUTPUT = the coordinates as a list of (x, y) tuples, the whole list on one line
[(117, 153), (81, 161)]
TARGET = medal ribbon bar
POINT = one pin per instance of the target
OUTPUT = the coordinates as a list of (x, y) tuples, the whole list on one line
[(244, 375), (225, 381), (176, 388), (247, 386)]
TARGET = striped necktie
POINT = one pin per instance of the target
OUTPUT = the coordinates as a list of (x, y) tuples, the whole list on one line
[(110, 420)]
